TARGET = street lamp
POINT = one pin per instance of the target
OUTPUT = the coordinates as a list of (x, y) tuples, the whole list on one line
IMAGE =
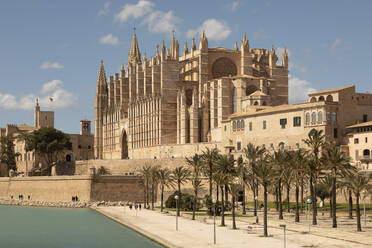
[(214, 220), (176, 197), (364, 208), (308, 201), (284, 226), (256, 205)]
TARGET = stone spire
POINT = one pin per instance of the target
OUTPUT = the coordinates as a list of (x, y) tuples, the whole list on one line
[(272, 51), (163, 50), (185, 49), (157, 50), (134, 53), (203, 43), (236, 47), (193, 46), (245, 43), (101, 75), (285, 58)]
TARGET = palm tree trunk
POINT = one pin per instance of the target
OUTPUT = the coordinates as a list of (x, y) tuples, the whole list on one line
[(297, 219), (265, 211), (313, 200), (350, 204), (276, 199), (359, 226), (194, 204), (222, 207), (152, 195), (244, 211), (233, 211), (210, 180), (302, 195), (217, 192), (330, 207), (288, 204), (147, 193), (179, 198), (334, 217), (226, 196), (280, 199), (254, 198), (162, 198)]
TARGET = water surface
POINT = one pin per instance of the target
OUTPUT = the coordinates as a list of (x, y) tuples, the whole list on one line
[(31, 227)]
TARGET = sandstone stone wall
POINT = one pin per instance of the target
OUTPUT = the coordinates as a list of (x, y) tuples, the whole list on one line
[(63, 188)]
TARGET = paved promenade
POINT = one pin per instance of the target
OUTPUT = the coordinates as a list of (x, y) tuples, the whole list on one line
[(199, 233)]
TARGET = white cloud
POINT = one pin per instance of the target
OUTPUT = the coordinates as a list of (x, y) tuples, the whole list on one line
[(51, 65), (161, 22), (109, 40), (53, 89), (214, 29), (135, 11), (298, 89), (105, 10)]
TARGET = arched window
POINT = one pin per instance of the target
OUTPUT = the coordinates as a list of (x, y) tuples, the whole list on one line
[(313, 99), (320, 116), (313, 117), (68, 158), (233, 100), (234, 125), (329, 98), (238, 125), (242, 125), (281, 145), (321, 99), (307, 119), (255, 103), (366, 152)]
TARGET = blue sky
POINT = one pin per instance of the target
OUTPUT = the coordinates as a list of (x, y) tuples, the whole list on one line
[(53, 48)]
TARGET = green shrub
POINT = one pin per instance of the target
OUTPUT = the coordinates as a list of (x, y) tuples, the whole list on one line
[(186, 202)]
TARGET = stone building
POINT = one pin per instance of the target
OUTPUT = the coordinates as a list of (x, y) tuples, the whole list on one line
[(360, 144), (177, 101), (174, 105), (82, 144)]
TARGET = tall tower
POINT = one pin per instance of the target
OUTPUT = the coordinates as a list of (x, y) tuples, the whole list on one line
[(37, 114), (100, 103), (85, 127)]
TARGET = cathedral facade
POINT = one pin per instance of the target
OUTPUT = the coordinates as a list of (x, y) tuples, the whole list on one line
[(177, 101)]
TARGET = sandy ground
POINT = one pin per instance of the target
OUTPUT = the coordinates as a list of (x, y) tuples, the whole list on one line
[(162, 228)]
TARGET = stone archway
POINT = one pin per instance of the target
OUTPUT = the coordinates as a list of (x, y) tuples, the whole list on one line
[(124, 146)]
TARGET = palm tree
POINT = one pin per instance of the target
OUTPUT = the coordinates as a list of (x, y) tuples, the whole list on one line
[(278, 160), (264, 173), (165, 179), (358, 182), (145, 173), (225, 173), (234, 191), (242, 172), (253, 153), (335, 161), (195, 163), (315, 141), (180, 175), (326, 183), (209, 156), (154, 178), (297, 165), (287, 174)]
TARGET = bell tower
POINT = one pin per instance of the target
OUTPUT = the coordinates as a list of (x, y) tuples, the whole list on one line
[(85, 127)]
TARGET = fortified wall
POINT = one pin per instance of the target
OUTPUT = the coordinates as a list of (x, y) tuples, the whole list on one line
[(62, 188)]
